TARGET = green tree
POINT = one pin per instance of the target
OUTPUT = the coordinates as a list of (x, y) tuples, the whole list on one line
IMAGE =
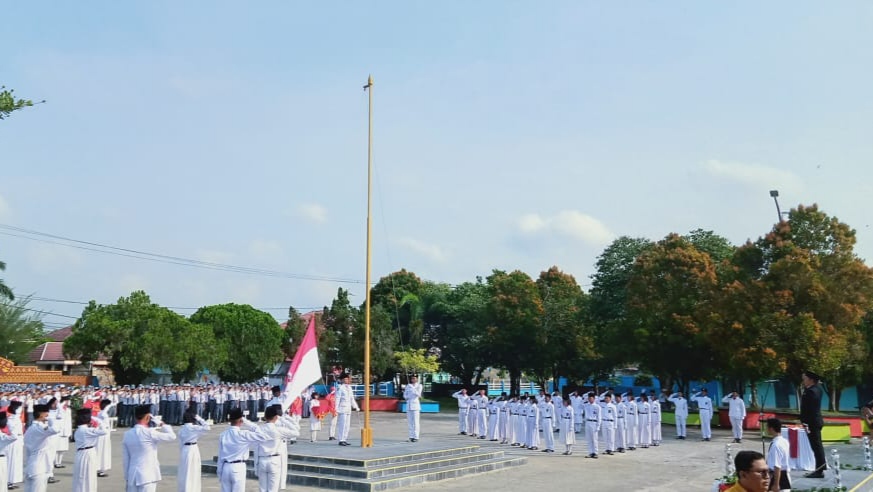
[(251, 338), (460, 337), (670, 294), (339, 323), (416, 361), (21, 330), (515, 309), (8, 102), (825, 290), (565, 342), (399, 295), (136, 336), (607, 304), (383, 339), (5, 291)]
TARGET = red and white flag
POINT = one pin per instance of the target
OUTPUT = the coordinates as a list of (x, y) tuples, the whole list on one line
[(305, 368)]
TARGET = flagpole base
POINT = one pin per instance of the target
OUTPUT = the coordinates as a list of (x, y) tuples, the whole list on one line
[(367, 437)]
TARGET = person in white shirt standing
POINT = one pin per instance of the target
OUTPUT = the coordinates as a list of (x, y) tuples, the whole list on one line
[(737, 414), (592, 417), (142, 471), (233, 451), (188, 476), (104, 443), (39, 449), (704, 406), (680, 407), (412, 395), (15, 451), (345, 403), (85, 464), (568, 428), (778, 457), (269, 451)]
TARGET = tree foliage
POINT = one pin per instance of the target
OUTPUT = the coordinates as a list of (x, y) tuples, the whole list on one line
[(138, 336), (251, 339), (5, 291), (399, 295), (21, 330), (416, 361), (459, 320), (9, 103)]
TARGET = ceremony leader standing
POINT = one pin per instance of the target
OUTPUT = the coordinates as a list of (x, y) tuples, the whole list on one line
[(345, 402), (810, 417), (737, 414), (142, 472), (412, 395)]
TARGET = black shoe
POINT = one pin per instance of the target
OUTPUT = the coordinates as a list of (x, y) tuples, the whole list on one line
[(494, 440), (331, 439), (566, 453), (534, 448), (414, 440), (60, 466), (462, 433), (815, 475), (594, 456), (343, 443), (621, 450), (53, 480), (545, 450), (102, 474)]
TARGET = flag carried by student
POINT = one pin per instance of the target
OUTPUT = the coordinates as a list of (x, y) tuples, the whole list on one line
[(304, 369)]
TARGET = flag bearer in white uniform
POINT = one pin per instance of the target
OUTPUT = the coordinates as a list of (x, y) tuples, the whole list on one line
[(412, 395)]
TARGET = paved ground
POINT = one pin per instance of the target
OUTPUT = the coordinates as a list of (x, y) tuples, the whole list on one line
[(675, 465)]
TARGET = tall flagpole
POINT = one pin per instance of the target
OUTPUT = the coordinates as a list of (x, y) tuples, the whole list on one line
[(367, 432)]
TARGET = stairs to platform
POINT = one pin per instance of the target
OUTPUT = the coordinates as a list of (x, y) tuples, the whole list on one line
[(386, 472)]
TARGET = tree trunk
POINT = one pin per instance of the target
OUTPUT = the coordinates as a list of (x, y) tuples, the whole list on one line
[(515, 381), (753, 389), (835, 395)]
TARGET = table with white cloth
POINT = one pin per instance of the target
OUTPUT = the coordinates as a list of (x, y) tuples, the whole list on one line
[(800, 452)]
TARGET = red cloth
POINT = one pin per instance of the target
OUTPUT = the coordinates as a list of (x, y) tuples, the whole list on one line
[(792, 442)]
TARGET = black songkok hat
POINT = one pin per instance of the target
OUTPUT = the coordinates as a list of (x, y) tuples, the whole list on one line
[(141, 411), (235, 414)]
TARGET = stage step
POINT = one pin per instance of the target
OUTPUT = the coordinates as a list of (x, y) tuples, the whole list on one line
[(387, 472)]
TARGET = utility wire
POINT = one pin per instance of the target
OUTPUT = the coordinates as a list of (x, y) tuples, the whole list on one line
[(44, 237)]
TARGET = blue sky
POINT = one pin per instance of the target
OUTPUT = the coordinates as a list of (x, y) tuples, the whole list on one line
[(508, 135)]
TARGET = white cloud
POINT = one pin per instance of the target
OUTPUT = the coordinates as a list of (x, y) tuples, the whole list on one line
[(756, 176), (5, 210), (571, 224), (430, 251), (311, 212)]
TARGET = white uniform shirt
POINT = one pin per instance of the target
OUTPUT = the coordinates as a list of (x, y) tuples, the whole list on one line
[(412, 395), (737, 407), (680, 404)]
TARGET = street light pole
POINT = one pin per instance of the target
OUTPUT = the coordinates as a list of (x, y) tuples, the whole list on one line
[(367, 432), (775, 195)]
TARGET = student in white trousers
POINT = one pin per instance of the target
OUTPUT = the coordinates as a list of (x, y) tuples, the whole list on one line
[(680, 407), (233, 451), (142, 471), (268, 453), (315, 416), (632, 414), (104, 442), (547, 416), (463, 408), (5, 443), (592, 416), (607, 426), (737, 414), (655, 420), (704, 405), (412, 394), (620, 424), (345, 403), (85, 463)]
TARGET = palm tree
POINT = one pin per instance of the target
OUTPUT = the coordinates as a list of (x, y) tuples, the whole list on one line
[(5, 291), (20, 330)]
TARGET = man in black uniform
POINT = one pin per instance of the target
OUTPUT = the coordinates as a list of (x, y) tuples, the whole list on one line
[(810, 417)]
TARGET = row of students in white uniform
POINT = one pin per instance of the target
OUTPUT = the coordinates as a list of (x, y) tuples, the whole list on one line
[(518, 421)]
